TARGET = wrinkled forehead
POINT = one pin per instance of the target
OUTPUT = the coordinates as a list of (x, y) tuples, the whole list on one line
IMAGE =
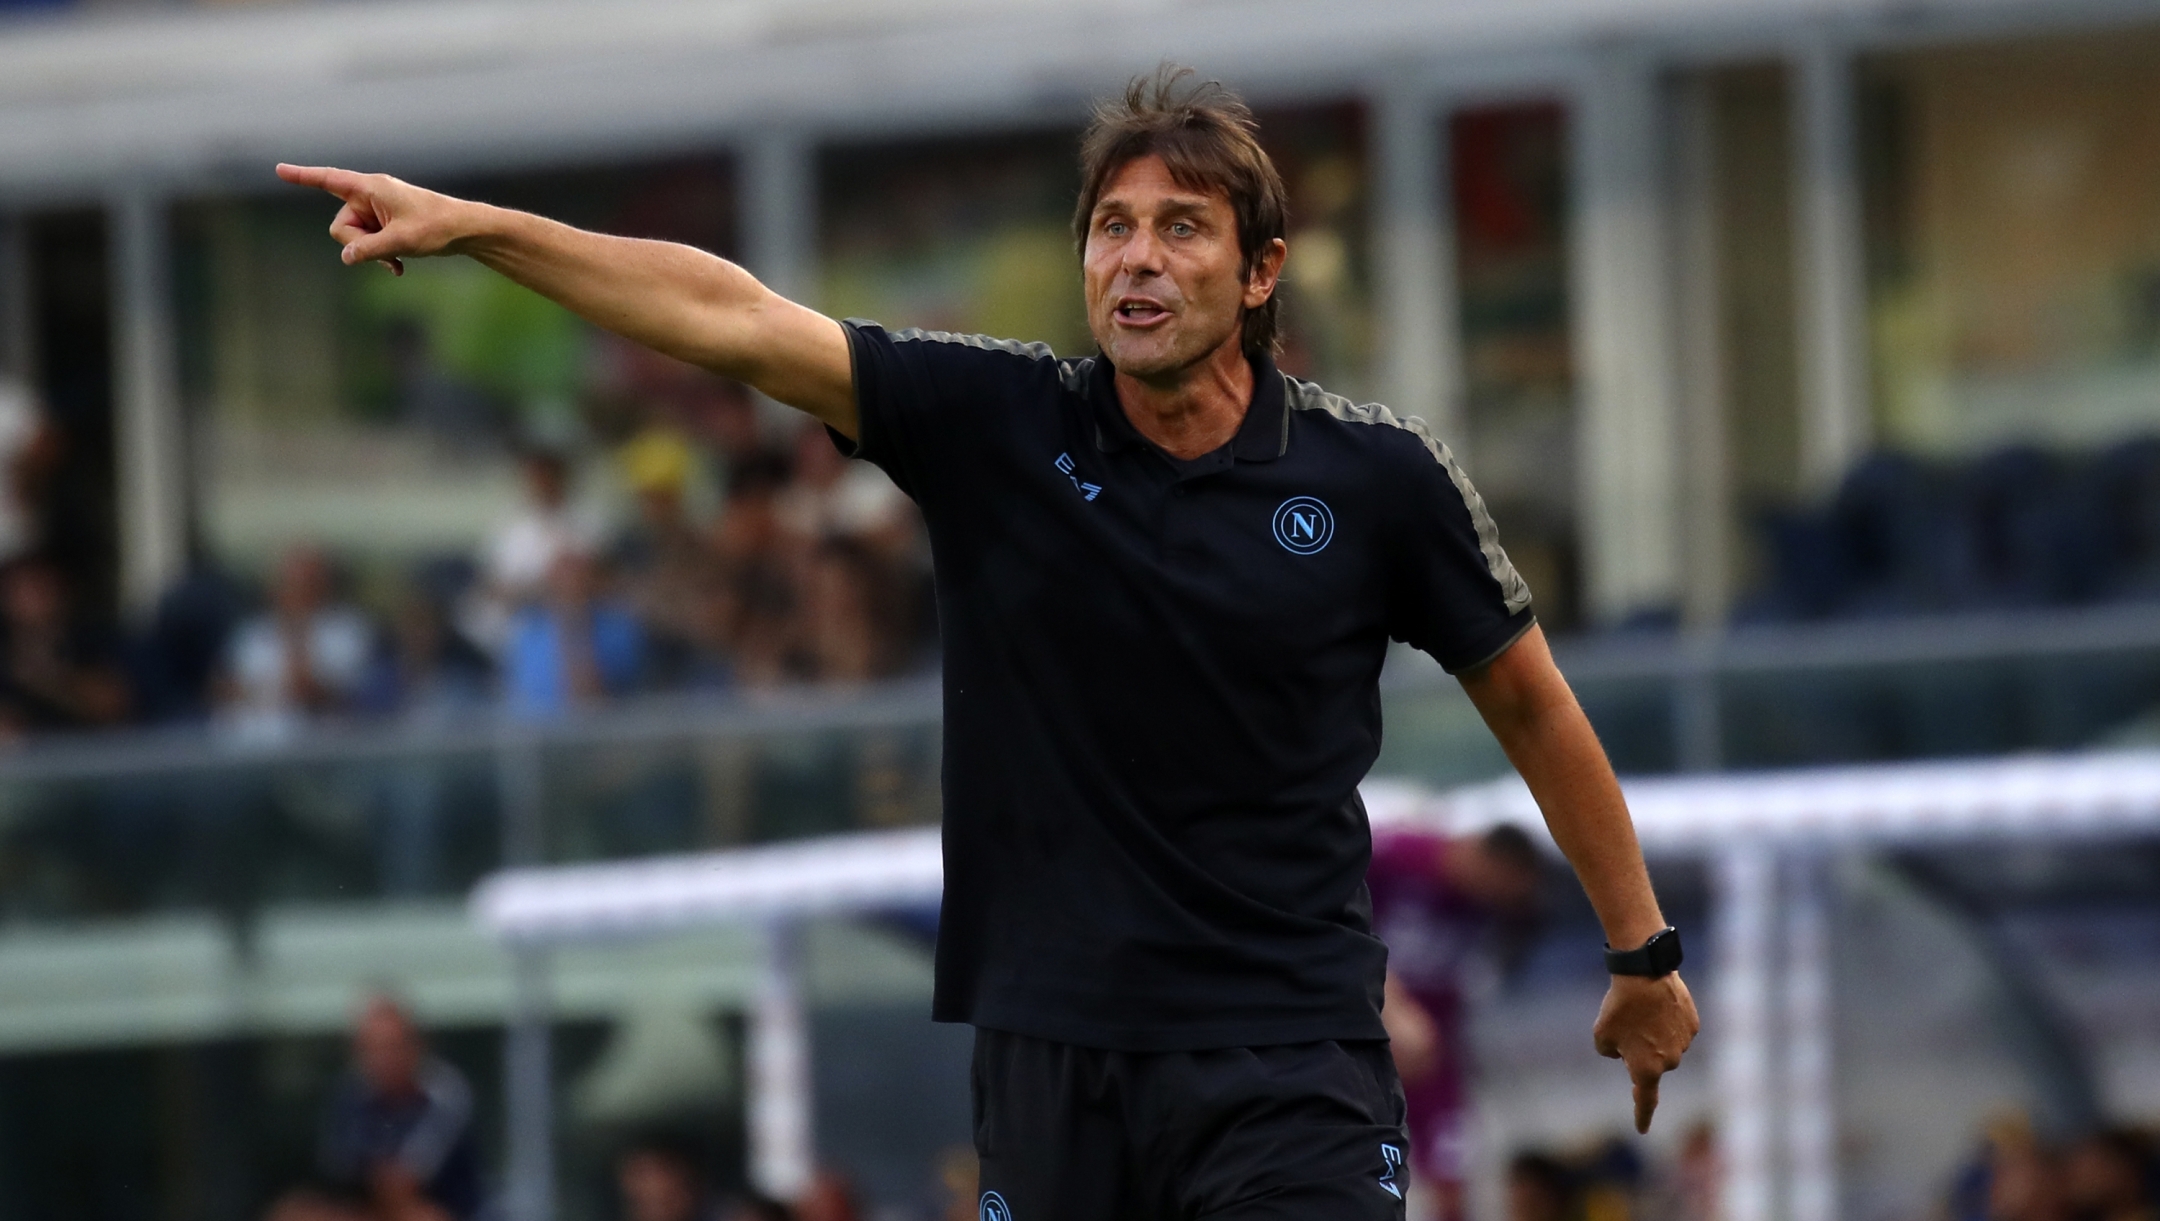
[(1147, 182)]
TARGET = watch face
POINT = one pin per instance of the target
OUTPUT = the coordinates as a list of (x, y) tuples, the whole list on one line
[(1664, 951)]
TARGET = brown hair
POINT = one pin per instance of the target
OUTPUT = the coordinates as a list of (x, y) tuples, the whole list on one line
[(1206, 137)]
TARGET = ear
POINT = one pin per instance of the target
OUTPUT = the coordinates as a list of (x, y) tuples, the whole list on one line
[(1266, 271)]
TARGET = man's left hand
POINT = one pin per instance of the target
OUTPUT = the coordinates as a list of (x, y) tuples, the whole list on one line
[(1646, 1024)]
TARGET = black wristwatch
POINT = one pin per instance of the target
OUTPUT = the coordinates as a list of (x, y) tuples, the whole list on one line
[(1658, 956)]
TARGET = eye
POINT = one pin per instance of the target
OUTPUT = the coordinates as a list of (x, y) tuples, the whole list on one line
[(1114, 228), (1182, 228)]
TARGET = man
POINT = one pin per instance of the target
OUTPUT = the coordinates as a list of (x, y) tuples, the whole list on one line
[(1166, 581), (1436, 901), (397, 1141)]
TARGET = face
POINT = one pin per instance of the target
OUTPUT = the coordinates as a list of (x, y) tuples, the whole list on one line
[(1165, 282), (303, 582), (656, 1187), (386, 1049), (33, 596), (1501, 883)]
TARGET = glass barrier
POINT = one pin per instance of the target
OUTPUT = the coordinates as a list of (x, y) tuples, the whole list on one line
[(206, 822)]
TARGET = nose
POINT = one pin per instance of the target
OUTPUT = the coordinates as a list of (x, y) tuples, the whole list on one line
[(1143, 253)]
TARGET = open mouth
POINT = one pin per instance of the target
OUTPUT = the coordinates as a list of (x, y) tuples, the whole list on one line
[(1141, 313)]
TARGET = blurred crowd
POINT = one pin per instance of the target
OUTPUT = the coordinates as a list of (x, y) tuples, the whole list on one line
[(2015, 529), (741, 563), (2109, 1174), (398, 1139)]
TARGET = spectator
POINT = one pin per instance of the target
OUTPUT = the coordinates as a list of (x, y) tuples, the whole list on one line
[(830, 1197), (843, 640), (522, 551), (1435, 902), (670, 573), (1698, 1175), (55, 672), (661, 1182), (758, 598), (177, 664), (2014, 1178), (434, 669), (2108, 1176), (1539, 1188), (306, 656), (575, 647), (29, 450), (831, 497), (397, 1140)]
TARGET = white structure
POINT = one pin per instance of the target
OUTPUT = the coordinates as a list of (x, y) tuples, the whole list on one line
[(1765, 835)]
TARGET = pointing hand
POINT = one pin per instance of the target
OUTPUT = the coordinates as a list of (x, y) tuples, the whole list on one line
[(384, 219), (1646, 1024)]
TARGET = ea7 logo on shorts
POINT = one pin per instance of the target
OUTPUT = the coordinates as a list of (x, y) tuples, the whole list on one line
[(1390, 1169), (1303, 525), (993, 1208)]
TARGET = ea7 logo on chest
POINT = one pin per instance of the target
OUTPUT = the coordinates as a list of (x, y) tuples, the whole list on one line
[(1088, 491), (1303, 525)]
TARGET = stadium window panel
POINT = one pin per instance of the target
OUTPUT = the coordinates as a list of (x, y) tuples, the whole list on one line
[(380, 416), (1508, 167), (2013, 223), (1751, 190), (971, 235), (1327, 311), (974, 235)]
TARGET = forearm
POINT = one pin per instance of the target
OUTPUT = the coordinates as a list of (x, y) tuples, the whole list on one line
[(1535, 717), (672, 298)]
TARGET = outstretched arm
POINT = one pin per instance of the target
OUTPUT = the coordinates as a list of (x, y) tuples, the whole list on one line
[(671, 298), (1647, 1023)]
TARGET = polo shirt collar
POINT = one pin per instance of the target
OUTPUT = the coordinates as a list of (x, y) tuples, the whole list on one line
[(1263, 436)]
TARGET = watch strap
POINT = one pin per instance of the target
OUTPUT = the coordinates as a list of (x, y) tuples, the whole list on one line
[(1658, 956)]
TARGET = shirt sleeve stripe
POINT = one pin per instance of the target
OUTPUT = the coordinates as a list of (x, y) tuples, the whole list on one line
[(1514, 591)]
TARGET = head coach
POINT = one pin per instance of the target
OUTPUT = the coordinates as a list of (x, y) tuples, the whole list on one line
[(1167, 576)]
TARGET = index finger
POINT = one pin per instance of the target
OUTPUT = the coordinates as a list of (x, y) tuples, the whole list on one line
[(341, 183), (1646, 1088)]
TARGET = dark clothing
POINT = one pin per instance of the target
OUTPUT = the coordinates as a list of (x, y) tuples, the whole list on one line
[(1289, 1133), (429, 1133), (1161, 687)]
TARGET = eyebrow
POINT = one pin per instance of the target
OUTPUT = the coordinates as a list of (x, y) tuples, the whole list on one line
[(1177, 205)]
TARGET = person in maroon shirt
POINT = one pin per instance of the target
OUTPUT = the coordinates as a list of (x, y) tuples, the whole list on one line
[(1437, 902)]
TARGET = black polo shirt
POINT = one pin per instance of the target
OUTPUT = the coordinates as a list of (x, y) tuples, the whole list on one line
[(1161, 686)]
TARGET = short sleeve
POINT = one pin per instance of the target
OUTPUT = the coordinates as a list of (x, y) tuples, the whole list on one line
[(927, 401), (1453, 593)]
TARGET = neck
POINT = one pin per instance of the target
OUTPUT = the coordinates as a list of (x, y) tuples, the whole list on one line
[(1195, 410)]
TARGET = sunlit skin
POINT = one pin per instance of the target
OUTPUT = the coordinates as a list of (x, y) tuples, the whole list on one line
[(1167, 291)]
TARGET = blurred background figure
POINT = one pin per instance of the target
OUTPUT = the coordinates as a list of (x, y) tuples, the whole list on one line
[(660, 1181), (670, 576), (2110, 1176), (1539, 1188), (29, 453), (760, 598), (305, 656), (522, 549), (57, 671), (397, 1139), (830, 1197), (1438, 903), (577, 646)]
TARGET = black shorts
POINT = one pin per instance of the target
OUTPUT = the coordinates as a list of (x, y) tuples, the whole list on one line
[(1301, 1132)]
